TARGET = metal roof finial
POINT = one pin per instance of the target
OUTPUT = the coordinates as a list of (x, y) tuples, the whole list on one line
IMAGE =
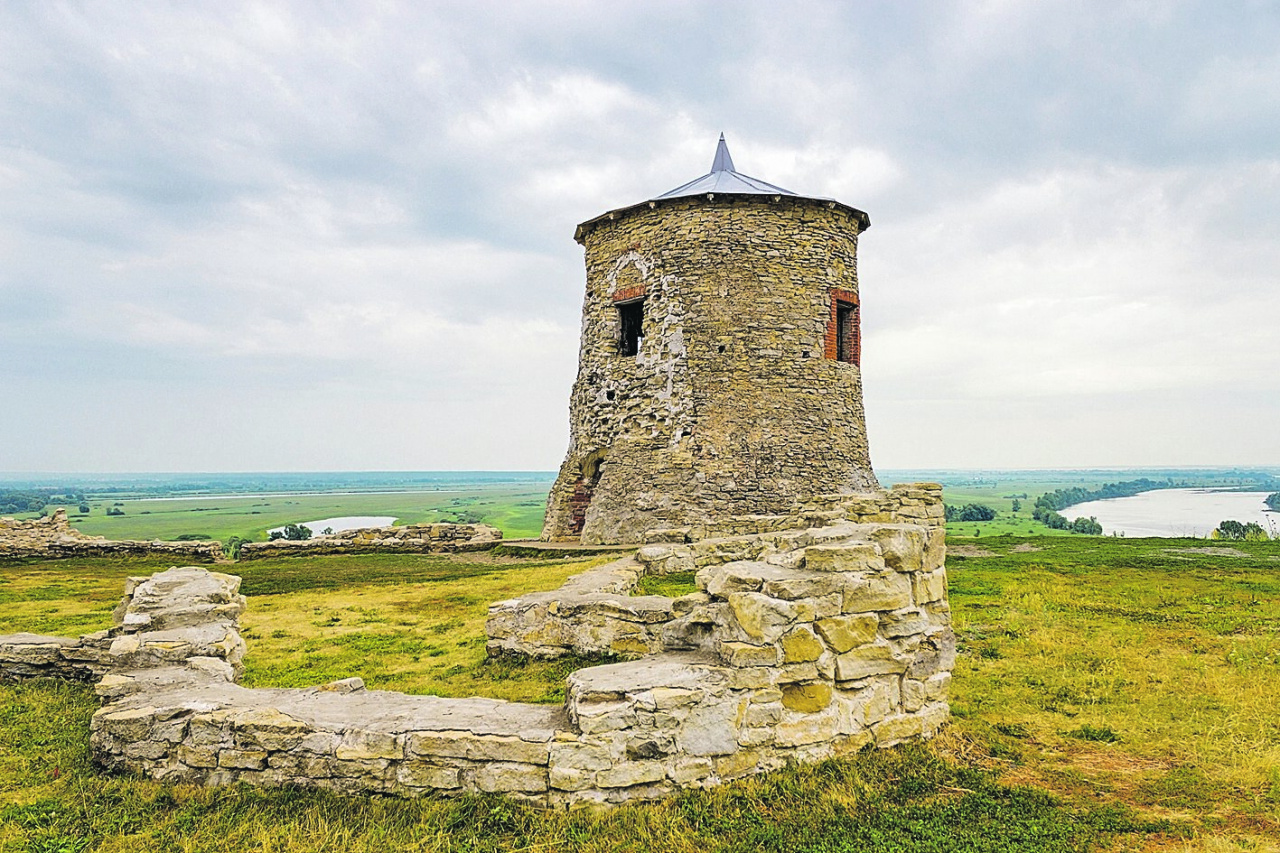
[(723, 162)]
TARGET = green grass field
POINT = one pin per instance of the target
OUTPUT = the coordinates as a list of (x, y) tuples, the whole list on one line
[(516, 511), (1109, 694)]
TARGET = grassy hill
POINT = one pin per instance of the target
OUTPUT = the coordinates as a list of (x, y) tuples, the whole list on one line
[(1109, 694)]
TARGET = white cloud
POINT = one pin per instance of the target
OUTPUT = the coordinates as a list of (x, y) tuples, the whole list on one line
[(1072, 256)]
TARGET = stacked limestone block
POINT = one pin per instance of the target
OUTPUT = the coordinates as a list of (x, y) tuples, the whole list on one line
[(818, 642), (408, 538), (595, 613), (179, 617), (53, 536), (339, 736)]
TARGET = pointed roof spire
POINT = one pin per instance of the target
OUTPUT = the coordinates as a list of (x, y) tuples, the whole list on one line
[(724, 178), (723, 162)]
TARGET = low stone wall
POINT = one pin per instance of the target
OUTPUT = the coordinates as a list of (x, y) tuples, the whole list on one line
[(595, 613), (839, 638), (409, 538), (53, 536), (171, 618)]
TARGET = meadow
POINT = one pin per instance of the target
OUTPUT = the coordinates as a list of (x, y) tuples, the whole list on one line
[(516, 510), (1109, 694)]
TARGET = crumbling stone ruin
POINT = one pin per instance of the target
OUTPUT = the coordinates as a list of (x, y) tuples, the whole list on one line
[(800, 644), (716, 424), (408, 539), (719, 366), (53, 536)]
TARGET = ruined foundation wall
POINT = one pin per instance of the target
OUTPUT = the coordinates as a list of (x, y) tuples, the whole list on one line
[(731, 405), (407, 538), (595, 613), (53, 536), (838, 638)]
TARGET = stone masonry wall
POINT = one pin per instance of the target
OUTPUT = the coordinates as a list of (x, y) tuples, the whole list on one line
[(408, 538), (53, 536), (179, 617), (595, 613), (730, 406), (829, 643)]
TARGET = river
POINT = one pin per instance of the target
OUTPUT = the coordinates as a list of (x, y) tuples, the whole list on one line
[(345, 522), (1177, 512)]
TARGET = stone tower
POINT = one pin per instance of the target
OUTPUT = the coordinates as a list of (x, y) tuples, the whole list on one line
[(718, 371)]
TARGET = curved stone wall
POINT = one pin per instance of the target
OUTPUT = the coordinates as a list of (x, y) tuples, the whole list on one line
[(837, 638)]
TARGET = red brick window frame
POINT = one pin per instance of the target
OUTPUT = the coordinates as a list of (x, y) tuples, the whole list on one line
[(626, 294), (844, 333), (630, 304)]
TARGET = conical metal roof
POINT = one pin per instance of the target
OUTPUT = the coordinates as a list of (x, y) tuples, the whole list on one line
[(723, 178)]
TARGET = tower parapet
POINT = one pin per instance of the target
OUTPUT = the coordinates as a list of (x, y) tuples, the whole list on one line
[(719, 364)]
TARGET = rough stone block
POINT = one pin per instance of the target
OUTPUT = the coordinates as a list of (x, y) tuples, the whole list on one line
[(800, 645), (858, 557), (242, 759), (843, 633), (806, 698), (360, 745), (865, 661), (885, 591), (420, 774), (902, 545), (930, 586), (761, 618), (904, 623), (923, 723), (631, 773), (500, 777)]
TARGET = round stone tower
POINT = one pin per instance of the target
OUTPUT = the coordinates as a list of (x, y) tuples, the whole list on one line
[(718, 370)]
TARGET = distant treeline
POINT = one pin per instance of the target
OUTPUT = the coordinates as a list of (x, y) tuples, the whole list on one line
[(1273, 501), (34, 500), (1060, 499), (1053, 520)]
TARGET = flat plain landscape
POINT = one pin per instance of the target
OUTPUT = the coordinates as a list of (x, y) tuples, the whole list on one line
[(1109, 694)]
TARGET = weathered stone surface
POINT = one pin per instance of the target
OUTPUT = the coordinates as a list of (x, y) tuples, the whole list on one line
[(843, 633), (806, 698), (883, 591), (872, 659), (800, 645), (704, 421), (853, 557), (435, 538), (53, 536), (775, 673)]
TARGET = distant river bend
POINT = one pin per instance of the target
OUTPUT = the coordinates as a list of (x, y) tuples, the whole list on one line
[(1177, 512)]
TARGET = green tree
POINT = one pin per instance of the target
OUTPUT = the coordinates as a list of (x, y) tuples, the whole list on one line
[(293, 532)]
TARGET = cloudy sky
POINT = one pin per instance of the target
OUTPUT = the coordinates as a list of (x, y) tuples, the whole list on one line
[(301, 236)]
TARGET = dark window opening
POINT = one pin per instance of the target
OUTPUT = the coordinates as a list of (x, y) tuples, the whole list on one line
[(631, 323), (847, 342)]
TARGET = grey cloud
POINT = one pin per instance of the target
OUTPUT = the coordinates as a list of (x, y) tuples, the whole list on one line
[(294, 206)]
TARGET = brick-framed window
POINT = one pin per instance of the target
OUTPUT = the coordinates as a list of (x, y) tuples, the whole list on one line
[(844, 335), (629, 301)]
